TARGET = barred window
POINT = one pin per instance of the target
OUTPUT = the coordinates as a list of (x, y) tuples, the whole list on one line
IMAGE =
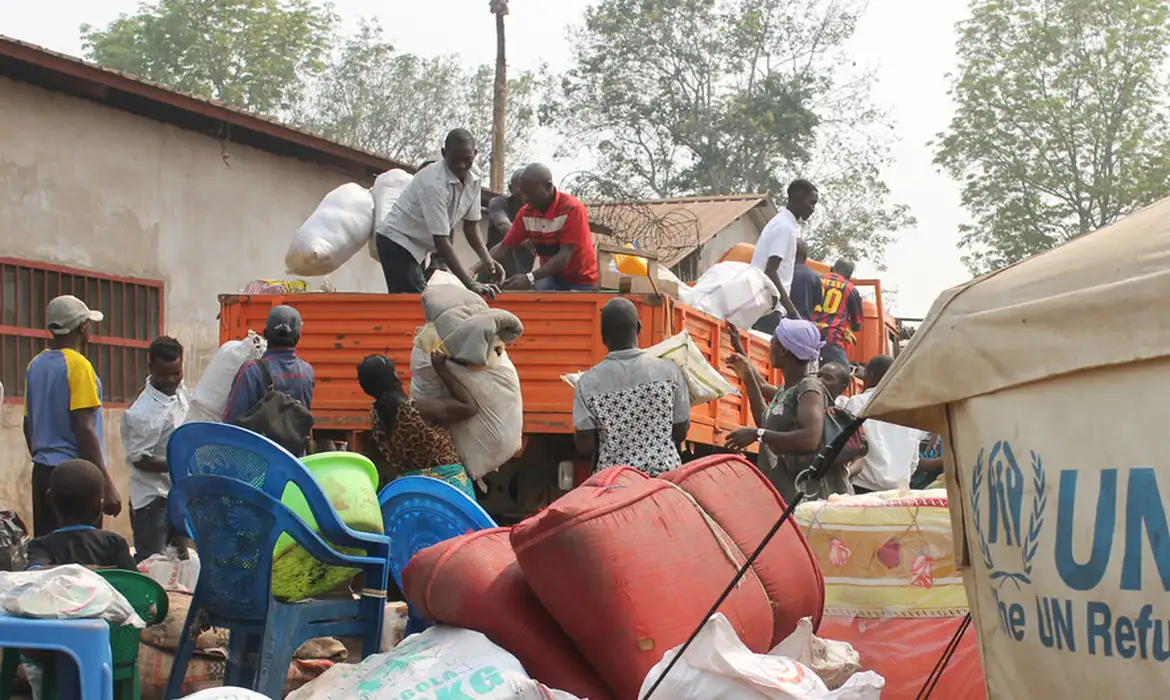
[(133, 311)]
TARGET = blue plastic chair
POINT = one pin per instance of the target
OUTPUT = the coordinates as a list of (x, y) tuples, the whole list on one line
[(417, 512), (87, 642), (267, 627)]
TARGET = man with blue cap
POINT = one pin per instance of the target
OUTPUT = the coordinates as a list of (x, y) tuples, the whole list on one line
[(290, 374)]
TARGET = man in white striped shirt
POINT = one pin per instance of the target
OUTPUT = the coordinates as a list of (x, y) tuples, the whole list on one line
[(421, 222)]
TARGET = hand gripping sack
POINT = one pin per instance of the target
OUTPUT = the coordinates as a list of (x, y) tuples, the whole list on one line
[(333, 234), (474, 582), (738, 497), (279, 417), (629, 568), (491, 437)]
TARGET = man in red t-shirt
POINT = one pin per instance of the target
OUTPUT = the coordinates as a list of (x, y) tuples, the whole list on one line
[(558, 227), (839, 314)]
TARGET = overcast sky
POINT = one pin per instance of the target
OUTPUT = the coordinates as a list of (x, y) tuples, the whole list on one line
[(909, 42)]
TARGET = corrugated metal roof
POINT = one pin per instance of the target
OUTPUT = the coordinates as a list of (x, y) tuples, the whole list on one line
[(672, 228), (61, 73)]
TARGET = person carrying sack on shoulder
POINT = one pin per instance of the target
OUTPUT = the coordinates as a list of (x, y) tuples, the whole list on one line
[(273, 396)]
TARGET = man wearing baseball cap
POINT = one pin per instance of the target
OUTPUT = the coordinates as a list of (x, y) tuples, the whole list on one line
[(290, 374), (63, 407)]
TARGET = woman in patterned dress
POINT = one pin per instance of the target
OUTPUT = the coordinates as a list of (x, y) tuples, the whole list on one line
[(411, 436)]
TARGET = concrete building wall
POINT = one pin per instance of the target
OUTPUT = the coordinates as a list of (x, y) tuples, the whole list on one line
[(87, 186), (742, 230)]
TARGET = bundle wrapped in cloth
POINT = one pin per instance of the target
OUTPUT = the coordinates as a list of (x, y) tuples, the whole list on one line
[(462, 326)]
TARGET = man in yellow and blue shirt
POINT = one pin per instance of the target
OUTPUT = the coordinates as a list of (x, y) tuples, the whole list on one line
[(63, 407)]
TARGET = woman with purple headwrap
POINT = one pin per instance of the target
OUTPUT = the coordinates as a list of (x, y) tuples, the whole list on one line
[(791, 418)]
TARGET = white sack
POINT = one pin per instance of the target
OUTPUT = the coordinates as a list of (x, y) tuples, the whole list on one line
[(704, 381), (209, 399), (228, 693), (492, 436), (835, 662), (442, 662), (65, 592), (386, 191), (334, 233), (718, 665), (171, 572), (733, 291)]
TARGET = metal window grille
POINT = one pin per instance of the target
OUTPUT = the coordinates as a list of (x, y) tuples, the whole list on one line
[(133, 311)]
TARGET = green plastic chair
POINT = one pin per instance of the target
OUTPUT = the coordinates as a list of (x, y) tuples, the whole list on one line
[(147, 598), (150, 601)]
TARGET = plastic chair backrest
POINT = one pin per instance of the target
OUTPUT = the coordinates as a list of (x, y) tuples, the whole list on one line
[(235, 527), (218, 449), (148, 599)]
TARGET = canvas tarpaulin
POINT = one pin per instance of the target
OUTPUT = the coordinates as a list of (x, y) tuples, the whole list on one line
[(1047, 380)]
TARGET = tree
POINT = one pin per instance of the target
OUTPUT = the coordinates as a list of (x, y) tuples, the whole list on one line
[(399, 105), (250, 54), (1060, 125), (499, 97), (735, 96)]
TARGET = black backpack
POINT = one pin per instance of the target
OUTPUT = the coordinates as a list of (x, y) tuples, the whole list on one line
[(279, 417)]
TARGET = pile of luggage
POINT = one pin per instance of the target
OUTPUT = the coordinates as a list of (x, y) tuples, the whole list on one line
[(590, 593)]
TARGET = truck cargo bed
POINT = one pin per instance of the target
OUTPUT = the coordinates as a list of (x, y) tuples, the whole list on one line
[(562, 334)]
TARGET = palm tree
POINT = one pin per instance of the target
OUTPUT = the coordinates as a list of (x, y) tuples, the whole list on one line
[(499, 98)]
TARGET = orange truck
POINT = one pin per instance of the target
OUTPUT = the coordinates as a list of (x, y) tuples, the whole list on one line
[(562, 334)]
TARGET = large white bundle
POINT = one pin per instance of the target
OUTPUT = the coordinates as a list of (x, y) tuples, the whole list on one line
[(442, 662), (493, 435), (733, 291), (718, 665), (209, 399), (335, 232), (386, 190)]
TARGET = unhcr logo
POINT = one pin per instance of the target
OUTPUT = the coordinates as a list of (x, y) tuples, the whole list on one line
[(997, 494)]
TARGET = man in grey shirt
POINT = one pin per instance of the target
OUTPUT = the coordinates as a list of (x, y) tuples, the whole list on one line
[(421, 221), (502, 212), (630, 409)]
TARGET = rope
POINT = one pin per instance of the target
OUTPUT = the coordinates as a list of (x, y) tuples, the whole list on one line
[(941, 664), (728, 545)]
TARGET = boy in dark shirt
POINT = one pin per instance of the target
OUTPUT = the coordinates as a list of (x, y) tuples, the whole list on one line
[(75, 495)]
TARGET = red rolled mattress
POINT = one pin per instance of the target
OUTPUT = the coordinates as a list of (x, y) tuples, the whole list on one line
[(629, 567), (474, 582), (738, 497)]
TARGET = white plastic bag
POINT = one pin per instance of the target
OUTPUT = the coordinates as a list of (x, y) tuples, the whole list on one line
[(704, 381), (442, 662), (65, 592), (733, 291), (835, 662), (227, 693), (492, 436), (718, 665), (334, 233), (171, 572), (386, 190), (210, 397)]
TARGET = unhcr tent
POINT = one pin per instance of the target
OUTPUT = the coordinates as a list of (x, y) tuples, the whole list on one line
[(1050, 381)]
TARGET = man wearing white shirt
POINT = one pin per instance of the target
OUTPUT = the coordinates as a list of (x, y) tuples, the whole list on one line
[(892, 449), (421, 221), (146, 429), (775, 252)]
